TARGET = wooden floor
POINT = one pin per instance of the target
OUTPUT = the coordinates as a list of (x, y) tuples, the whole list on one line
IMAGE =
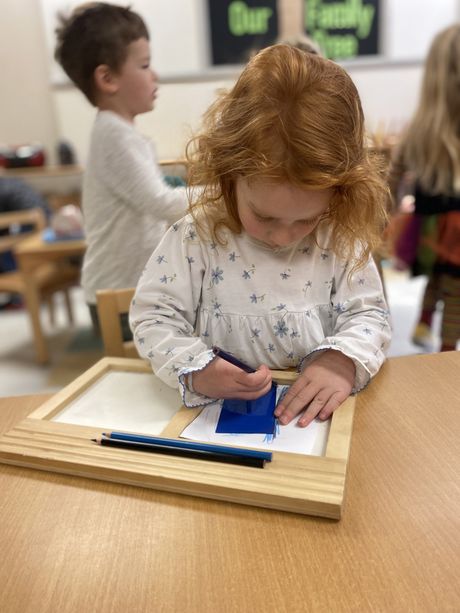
[(73, 350)]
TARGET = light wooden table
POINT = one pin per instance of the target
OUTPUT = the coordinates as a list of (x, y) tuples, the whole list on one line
[(49, 180), (30, 254), (70, 544)]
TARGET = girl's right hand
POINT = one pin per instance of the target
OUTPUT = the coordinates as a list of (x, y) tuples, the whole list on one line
[(220, 379)]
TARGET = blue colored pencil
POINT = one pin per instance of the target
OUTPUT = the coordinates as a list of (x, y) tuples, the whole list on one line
[(228, 357), (189, 445)]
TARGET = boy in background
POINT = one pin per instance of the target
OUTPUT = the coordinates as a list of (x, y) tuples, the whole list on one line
[(127, 206)]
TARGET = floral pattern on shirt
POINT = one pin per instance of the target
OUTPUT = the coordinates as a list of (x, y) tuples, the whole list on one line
[(264, 306)]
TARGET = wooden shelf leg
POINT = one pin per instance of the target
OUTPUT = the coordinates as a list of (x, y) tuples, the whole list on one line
[(51, 310), (68, 305), (32, 299)]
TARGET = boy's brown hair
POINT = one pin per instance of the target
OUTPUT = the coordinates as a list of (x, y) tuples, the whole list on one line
[(292, 117), (96, 33)]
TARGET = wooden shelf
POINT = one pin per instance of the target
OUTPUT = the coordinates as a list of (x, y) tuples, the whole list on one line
[(43, 171)]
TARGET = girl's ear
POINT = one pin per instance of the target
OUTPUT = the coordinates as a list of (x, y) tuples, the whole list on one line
[(105, 79)]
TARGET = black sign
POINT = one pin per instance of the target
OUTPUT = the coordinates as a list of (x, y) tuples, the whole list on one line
[(343, 28), (239, 28)]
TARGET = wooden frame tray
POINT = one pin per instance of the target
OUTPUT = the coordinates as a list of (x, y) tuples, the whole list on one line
[(298, 483)]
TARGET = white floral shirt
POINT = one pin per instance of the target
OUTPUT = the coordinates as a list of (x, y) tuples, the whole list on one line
[(277, 307)]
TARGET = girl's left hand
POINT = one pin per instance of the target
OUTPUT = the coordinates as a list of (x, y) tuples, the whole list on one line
[(321, 388)]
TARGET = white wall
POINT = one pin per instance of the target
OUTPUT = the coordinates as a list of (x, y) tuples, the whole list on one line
[(26, 104), (178, 110), (389, 96)]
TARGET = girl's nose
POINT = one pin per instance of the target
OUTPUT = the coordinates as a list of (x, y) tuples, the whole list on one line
[(283, 236)]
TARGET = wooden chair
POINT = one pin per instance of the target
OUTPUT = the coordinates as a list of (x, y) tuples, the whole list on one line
[(47, 279), (111, 303)]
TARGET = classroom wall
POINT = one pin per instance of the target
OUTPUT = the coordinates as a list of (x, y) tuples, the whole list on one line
[(26, 101), (389, 96), (178, 110), (31, 109)]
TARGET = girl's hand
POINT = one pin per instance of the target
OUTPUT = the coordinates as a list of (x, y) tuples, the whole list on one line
[(223, 380), (320, 389)]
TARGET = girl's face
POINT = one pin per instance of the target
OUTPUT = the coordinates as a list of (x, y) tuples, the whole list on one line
[(137, 82), (279, 214)]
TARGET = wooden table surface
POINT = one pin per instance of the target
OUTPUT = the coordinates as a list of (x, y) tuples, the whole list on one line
[(34, 249), (69, 544)]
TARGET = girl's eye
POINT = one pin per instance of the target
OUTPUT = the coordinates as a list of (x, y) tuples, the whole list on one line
[(312, 222), (309, 222), (262, 219)]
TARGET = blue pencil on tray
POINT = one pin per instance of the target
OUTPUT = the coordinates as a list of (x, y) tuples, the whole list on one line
[(201, 451)]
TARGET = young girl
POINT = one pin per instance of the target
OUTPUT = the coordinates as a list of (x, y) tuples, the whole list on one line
[(273, 263), (430, 153)]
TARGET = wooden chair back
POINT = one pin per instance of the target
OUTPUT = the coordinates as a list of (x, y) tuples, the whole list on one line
[(38, 281), (111, 303), (35, 218)]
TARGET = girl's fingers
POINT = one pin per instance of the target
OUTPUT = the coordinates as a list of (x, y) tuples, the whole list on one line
[(319, 406), (332, 404), (294, 401), (223, 380), (309, 414), (253, 381), (321, 409), (245, 394)]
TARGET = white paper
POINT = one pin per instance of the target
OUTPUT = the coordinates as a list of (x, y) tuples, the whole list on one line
[(311, 440), (127, 401)]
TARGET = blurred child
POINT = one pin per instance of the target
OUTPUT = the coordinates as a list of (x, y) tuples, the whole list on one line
[(429, 154), (127, 205), (303, 42), (273, 264)]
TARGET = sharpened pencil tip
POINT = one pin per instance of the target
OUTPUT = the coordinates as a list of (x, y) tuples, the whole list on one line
[(94, 440)]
